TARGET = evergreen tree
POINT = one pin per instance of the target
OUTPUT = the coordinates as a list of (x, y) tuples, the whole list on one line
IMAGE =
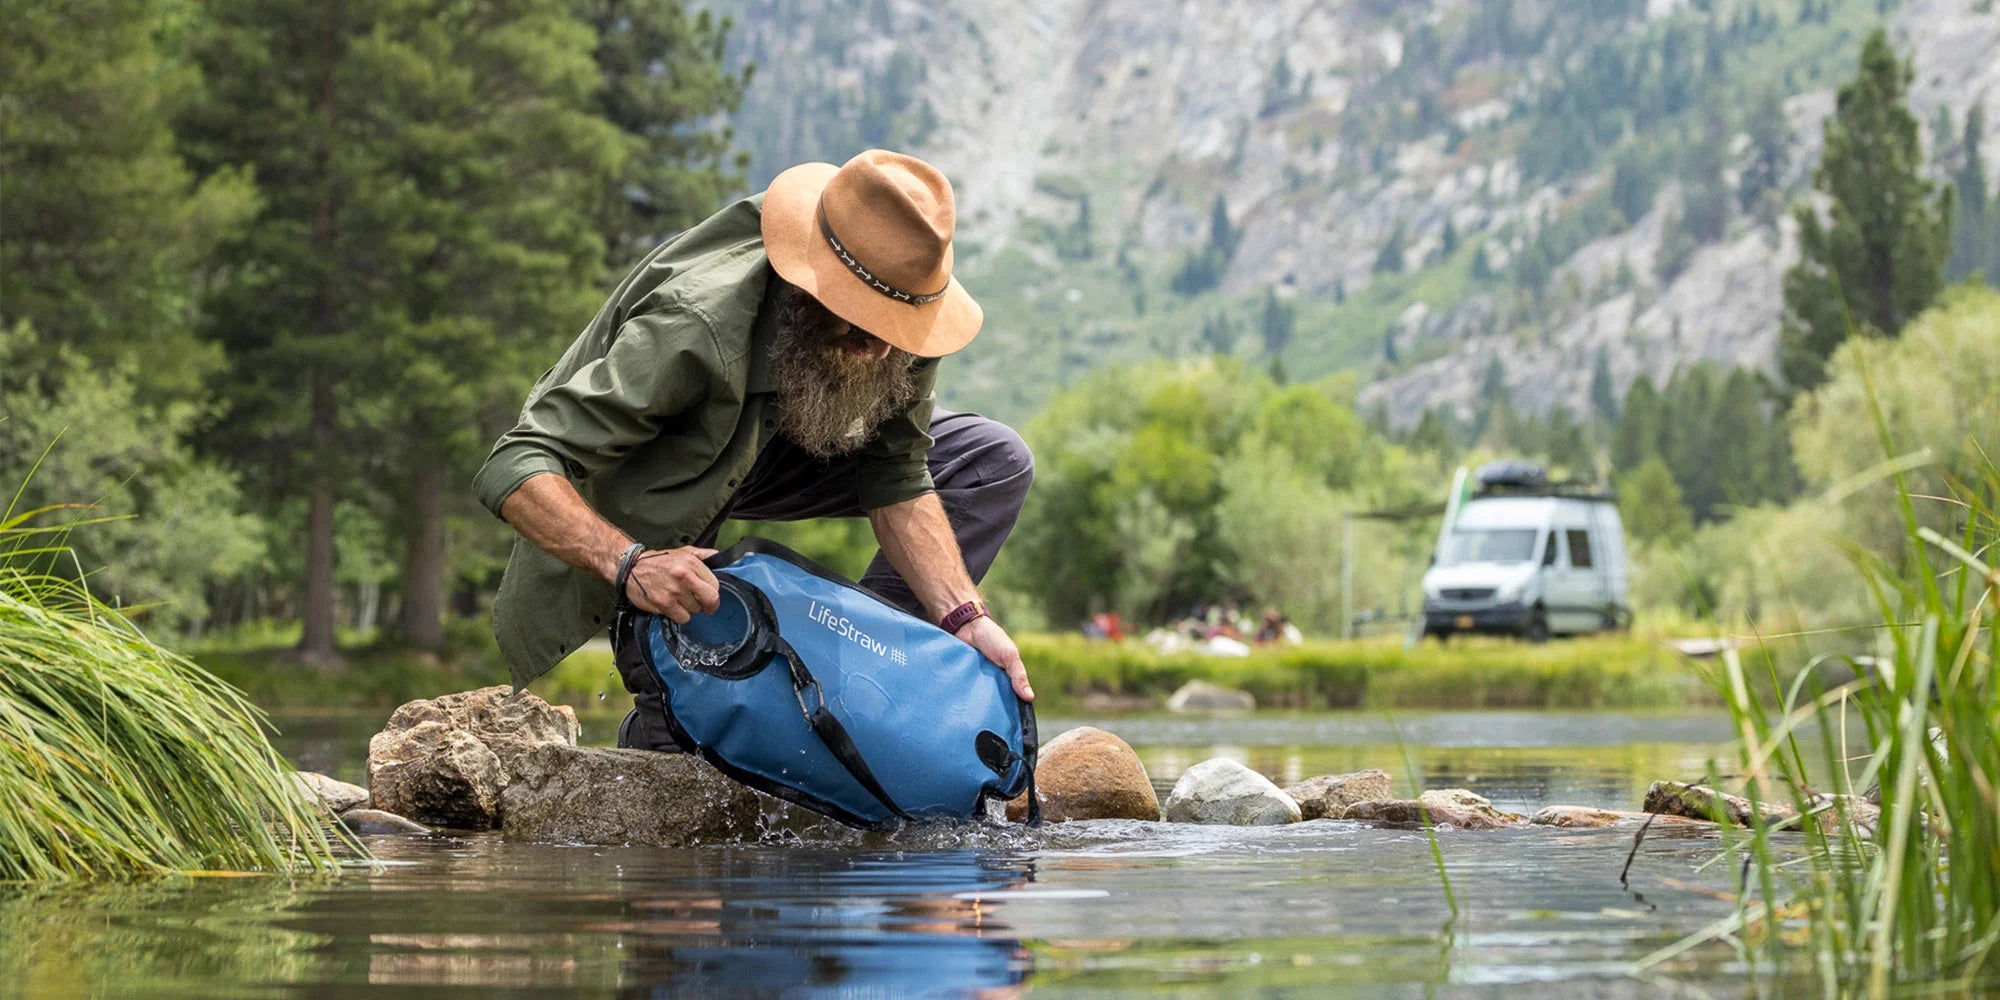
[(1970, 229), (1276, 323), (1389, 259), (1603, 398), (1770, 150), (1651, 506), (1431, 435), (430, 176), (1637, 437), (1878, 258), (663, 80), (1706, 197)]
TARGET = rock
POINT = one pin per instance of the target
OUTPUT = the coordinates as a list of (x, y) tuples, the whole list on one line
[(1576, 817), (1674, 798), (332, 795), (1087, 773), (375, 822), (1329, 795), (592, 795), (437, 775), (445, 761), (1453, 807), (1201, 696), (1830, 811), (1223, 791), (509, 723)]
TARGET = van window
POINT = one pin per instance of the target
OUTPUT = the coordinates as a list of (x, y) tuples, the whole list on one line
[(1549, 552), (1579, 548), (1489, 545)]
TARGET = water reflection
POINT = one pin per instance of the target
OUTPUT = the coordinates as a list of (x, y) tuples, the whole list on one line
[(890, 924)]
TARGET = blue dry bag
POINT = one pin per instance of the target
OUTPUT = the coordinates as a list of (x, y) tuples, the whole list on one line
[(805, 686)]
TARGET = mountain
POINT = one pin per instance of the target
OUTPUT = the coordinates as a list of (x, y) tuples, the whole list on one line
[(1435, 195)]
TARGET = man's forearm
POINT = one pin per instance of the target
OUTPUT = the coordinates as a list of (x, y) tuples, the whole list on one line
[(549, 512), (918, 541)]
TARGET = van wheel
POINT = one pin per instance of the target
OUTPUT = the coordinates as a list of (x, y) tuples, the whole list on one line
[(1538, 627)]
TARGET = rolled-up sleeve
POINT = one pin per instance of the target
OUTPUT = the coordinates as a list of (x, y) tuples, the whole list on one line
[(583, 418), (894, 465)]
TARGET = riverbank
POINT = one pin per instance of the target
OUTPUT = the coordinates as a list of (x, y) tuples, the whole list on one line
[(1630, 671)]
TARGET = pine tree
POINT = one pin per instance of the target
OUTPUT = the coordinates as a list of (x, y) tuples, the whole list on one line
[(1637, 437), (1770, 153), (1389, 259), (1276, 323), (1878, 258), (1603, 398), (1969, 229)]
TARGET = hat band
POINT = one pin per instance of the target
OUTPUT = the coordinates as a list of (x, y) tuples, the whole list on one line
[(868, 277)]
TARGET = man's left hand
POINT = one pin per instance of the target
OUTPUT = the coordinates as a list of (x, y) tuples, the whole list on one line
[(986, 635)]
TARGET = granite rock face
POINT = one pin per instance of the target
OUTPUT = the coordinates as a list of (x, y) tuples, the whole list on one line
[(1223, 791), (592, 795), (445, 761), (1087, 773), (1329, 795)]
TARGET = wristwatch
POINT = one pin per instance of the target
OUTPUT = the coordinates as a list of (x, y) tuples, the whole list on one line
[(961, 616)]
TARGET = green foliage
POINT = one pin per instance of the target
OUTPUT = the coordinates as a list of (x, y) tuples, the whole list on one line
[(1878, 258), (1714, 431), (1650, 504), (118, 758), (1975, 226)]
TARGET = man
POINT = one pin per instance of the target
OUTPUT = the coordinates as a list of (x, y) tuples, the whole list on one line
[(774, 363)]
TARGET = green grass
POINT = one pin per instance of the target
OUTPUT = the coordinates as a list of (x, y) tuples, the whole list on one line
[(1914, 905), (120, 758)]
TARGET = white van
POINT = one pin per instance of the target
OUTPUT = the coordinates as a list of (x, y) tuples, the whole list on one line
[(1528, 559)]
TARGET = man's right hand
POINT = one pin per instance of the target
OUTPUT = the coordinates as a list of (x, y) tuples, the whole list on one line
[(674, 583)]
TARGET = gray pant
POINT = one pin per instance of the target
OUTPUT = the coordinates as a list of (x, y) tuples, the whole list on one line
[(980, 467)]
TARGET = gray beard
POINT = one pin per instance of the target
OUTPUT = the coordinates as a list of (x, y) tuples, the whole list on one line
[(831, 401)]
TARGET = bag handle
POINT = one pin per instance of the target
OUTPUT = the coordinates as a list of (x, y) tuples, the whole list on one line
[(827, 726)]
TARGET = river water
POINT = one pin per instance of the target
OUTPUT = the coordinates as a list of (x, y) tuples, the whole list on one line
[(1327, 908)]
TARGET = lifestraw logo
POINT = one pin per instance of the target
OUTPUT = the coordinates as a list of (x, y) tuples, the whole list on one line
[(845, 628)]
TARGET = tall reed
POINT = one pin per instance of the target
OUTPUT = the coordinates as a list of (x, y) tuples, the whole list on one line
[(118, 757), (1911, 902)]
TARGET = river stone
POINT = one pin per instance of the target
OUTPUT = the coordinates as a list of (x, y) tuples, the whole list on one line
[(1674, 798), (1225, 792), (1087, 773), (510, 723), (1329, 795), (1453, 807), (1575, 817), (437, 775), (594, 795), (375, 822), (330, 794), (1200, 696)]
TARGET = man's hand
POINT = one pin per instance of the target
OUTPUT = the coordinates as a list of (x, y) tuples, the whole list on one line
[(986, 635), (674, 582)]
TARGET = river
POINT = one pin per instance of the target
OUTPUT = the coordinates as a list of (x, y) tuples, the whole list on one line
[(1327, 908)]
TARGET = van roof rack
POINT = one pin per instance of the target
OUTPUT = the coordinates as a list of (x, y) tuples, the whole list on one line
[(1516, 478)]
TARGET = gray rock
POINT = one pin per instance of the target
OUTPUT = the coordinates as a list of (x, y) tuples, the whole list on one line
[(375, 822), (1225, 792), (438, 775), (1329, 795), (1201, 696), (1674, 798), (510, 723), (1453, 807), (330, 794), (1087, 773), (591, 795), (1576, 817)]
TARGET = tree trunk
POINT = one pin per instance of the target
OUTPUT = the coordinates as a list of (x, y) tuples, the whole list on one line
[(423, 561), (316, 612)]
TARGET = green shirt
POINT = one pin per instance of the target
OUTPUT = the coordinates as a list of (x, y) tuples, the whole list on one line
[(656, 413)]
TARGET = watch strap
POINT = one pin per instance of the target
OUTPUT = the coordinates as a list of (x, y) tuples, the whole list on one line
[(963, 615)]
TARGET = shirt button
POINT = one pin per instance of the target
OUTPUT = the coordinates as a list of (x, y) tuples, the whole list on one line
[(768, 424), (686, 539), (732, 482)]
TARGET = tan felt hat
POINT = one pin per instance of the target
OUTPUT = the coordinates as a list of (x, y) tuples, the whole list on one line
[(871, 240)]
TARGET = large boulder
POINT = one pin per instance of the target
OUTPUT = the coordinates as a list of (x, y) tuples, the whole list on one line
[(1329, 795), (331, 795), (592, 795), (437, 775), (446, 761), (1201, 696), (1087, 773), (1453, 807), (1225, 792)]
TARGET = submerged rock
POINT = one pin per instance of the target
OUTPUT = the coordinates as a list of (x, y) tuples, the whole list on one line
[(1674, 798), (375, 822), (1087, 773), (1200, 696), (330, 794), (1225, 792), (1453, 807), (445, 761), (1329, 795), (592, 795)]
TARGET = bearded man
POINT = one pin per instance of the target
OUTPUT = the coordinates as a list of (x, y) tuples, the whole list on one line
[(774, 363)]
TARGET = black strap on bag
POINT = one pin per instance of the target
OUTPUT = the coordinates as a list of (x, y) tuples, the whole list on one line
[(1031, 744), (827, 726)]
